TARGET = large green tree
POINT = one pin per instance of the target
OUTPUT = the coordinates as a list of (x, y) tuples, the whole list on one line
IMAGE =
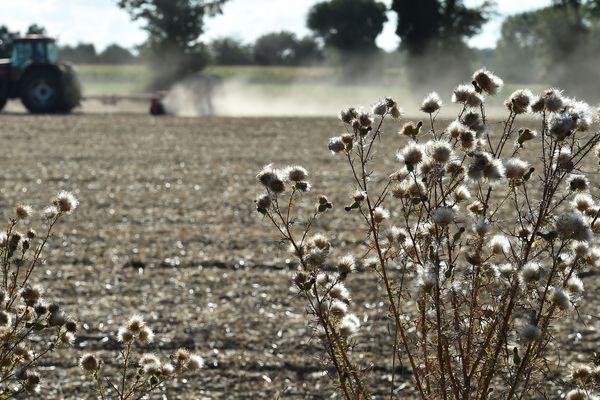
[(436, 23), (174, 28), (350, 26), (558, 44), (433, 36), (284, 48)]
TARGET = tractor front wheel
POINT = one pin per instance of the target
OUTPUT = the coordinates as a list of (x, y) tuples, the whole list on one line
[(41, 91)]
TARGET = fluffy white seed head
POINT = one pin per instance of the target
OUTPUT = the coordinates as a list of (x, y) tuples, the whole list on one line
[(440, 151), (582, 202), (574, 285), (530, 272), (553, 100), (577, 394), (515, 168), (336, 145), (346, 264), (431, 103), (66, 202), (380, 214), (530, 333), (580, 249), (561, 299), (411, 155), (571, 226), (461, 193), (349, 325), (443, 216), (296, 173), (519, 101), (499, 244), (578, 183), (487, 81)]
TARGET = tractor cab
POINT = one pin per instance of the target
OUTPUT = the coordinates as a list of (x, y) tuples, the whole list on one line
[(33, 49)]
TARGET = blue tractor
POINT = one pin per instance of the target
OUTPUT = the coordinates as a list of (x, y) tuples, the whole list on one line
[(34, 74)]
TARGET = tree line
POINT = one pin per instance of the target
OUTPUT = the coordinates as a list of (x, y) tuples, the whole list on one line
[(552, 44)]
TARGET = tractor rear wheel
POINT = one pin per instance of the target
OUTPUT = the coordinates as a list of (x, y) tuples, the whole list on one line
[(71, 89), (41, 91)]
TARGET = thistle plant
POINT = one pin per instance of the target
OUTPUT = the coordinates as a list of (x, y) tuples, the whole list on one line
[(138, 374), (478, 239), (30, 326)]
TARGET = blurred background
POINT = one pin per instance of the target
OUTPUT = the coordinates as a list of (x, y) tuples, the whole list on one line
[(308, 55)]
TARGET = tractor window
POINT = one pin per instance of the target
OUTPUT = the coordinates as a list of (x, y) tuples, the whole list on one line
[(36, 52), (22, 54), (52, 53)]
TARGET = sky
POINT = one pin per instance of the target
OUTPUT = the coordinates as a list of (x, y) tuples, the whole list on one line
[(101, 22)]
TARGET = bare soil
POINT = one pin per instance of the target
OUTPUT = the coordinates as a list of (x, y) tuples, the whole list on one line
[(167, 228)]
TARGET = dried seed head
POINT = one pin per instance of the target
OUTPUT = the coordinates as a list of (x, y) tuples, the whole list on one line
[(395, 112), (348, 115), (195, 363), (31, 294), (346, 265), (519, 101), (5, 318), (336, 145), (89, 363), (380, 214), (66, 202), (149, 361), (340, 292), (124, 335), (487, 81), (578, 183), (561, 299), (530, 333), (51, 212), (23, 211), (338, 308), (296, 173), (572, 226), (349, 325), (461, 193), (582, 373), (263, 202), (379, 108), (526, 135), (499, 244), (440, 151), (583, 202), (443, 216), (271, 180), (530, 273), (411, 155), (145, 335), (71, 326), (347, 138), (515, 168), (431, 103), (409, 129), (577, 394), (553, 100), (574, 285), (135, 324)]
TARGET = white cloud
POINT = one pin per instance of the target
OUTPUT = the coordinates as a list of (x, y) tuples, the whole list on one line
[(72, 21)]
